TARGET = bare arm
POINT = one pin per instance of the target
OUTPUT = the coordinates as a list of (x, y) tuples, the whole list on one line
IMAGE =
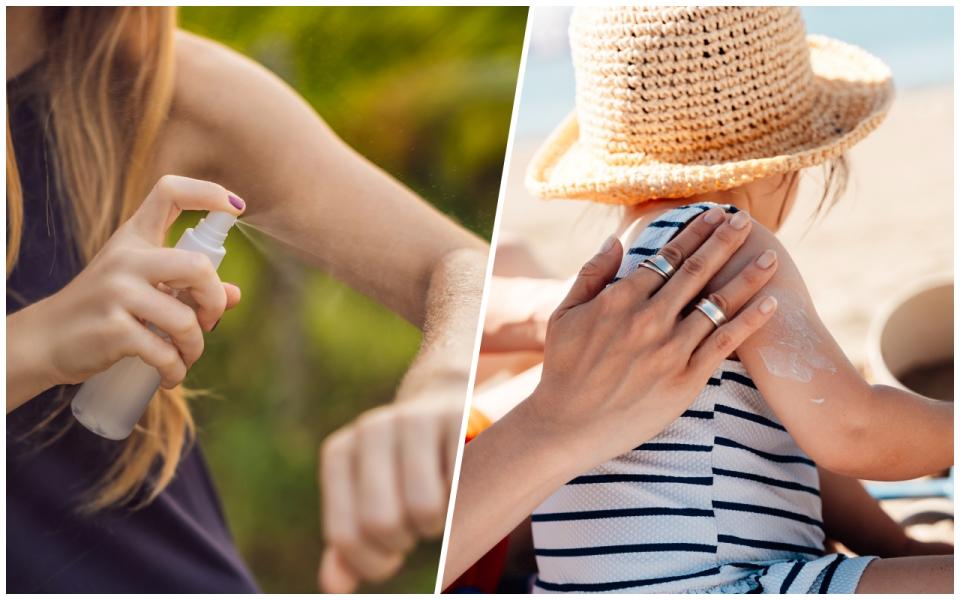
[(853, 518), (386, 475), (507, 471), (245, 128), (612, 355), (843, 423)]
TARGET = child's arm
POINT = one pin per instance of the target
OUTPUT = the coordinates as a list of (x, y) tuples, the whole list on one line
[(843, 423), (854, 518)]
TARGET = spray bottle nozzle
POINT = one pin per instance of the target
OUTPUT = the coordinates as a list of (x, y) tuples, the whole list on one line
[(215, 226)]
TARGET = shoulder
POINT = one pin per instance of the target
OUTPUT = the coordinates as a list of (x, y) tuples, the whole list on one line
[(221, 100), (759, 240), (212, 79), (787, 279)]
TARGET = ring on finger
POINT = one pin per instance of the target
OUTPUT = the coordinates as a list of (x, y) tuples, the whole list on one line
[(659, 265), (712, 312)]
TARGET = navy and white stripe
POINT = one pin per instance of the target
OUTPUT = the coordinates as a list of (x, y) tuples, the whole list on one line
[(723, 498)]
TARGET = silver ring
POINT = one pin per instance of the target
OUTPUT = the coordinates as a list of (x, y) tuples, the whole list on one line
[(659, 265), (712, 312)]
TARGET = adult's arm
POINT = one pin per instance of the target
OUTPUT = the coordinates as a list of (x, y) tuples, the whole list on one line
[(612, 355), (236, 123), (386, 475)]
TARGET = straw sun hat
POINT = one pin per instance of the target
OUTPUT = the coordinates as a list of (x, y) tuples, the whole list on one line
[(676, 101)]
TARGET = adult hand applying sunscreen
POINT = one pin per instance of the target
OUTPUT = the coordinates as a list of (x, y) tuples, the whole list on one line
[(101, 316)]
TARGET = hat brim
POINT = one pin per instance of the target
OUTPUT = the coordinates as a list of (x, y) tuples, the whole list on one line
[(852, 92)]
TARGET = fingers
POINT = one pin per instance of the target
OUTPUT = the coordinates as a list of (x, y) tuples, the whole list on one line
[(233, 299), (729, 299), (646, 282), (381, 514), (185, 270), (594, 275), (153, 350), (728, 337), (695, 271), (172, 317), (423, 479), (233, 295), (384, 485), (173, 194), (340, 515), (335, 576)]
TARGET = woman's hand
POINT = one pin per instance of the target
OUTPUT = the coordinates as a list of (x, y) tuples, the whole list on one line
[(103, 314), (621, 362), (385, 480), (627, 353)]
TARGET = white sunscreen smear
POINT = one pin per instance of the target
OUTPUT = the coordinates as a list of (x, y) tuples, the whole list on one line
[(111, 403), (795, 353)]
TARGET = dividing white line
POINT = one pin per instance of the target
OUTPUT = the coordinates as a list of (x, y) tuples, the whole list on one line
[(483, 302)]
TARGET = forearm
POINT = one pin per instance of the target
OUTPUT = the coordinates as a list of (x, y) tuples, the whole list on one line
[(452, 310), (901, 435), (507, 471), (843, 423), (28, 373), (863, 431)]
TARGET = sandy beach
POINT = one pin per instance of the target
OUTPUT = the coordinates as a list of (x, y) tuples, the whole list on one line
[(894, 226)]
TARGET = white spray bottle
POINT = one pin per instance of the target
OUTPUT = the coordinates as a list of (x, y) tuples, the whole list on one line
[(111, 403)]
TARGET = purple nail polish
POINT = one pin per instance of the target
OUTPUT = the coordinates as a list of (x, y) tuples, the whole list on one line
[(236, 202)]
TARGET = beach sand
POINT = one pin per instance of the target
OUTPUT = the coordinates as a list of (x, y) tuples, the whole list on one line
[(892, 228)]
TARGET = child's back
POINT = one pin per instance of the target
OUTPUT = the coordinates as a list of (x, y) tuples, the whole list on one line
[(722, 500)]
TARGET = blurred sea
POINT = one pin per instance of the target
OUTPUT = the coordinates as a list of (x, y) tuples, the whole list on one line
[(916, 42)]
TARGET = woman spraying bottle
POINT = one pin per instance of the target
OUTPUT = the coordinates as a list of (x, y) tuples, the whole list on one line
[(104, 104)]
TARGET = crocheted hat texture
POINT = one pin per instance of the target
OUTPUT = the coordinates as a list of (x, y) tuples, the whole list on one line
[(677, 101)]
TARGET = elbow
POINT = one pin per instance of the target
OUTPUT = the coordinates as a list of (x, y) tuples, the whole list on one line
[(849, 451), (848, 455), (854, 449)]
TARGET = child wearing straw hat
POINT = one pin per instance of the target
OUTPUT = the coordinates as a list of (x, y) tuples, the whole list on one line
[(687, 113)]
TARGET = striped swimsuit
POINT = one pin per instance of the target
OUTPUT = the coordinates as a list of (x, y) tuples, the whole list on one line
[(722, 500)]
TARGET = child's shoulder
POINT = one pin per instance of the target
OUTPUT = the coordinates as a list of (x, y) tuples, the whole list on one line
[(786, 279)]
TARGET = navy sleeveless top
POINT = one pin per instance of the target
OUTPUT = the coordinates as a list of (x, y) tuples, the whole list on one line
[(180, 541)]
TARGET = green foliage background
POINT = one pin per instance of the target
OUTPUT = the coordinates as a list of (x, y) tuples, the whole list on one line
[(426, 93)]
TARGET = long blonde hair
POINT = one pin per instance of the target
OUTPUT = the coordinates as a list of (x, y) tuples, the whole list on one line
[(108, 74)]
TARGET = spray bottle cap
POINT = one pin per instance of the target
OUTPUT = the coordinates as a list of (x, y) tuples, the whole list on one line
[(215, 226)]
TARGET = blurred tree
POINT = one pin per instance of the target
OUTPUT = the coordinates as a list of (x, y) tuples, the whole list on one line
[(427, 94)]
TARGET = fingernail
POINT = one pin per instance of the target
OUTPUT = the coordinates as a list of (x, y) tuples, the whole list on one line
[(740, 220), (766, 259), (608, 244), (766, 307), (236, 202), (713, 216), (215, 325)]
